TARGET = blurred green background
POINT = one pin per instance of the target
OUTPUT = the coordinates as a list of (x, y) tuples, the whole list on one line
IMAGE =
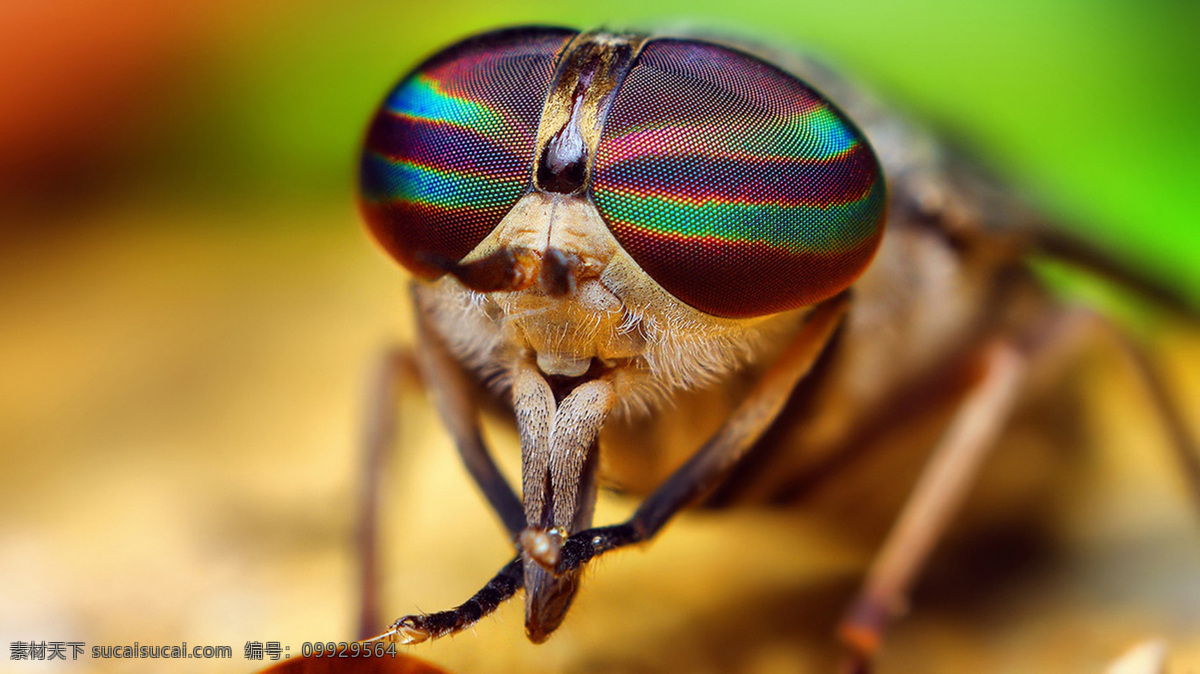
[(189, 307)]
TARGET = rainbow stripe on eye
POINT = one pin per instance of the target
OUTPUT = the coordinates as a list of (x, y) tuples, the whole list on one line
[(735, 186), (423, 99), (450, 150), (444, 152), (821, 135)]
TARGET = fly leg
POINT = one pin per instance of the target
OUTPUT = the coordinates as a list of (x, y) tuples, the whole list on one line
[(955, 462), (717, 457), (1182, 442), (1056, 243), (431, 364), (412, 629), (940, 490), (452, 395), (1086, 327), (396, 369)]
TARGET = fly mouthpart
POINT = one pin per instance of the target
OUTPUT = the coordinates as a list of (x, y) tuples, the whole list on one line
[(547, 600), (564, 366)]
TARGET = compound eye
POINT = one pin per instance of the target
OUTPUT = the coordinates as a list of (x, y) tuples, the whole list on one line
[(450, 150), (735, 186)]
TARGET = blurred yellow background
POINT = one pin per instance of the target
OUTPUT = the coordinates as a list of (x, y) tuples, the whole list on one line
[(189, 308)]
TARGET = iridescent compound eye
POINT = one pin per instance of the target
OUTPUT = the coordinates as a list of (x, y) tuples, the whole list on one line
[(450, 149), (735, 186)]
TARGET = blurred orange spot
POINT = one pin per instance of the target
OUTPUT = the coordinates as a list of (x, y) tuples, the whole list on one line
[(78, 77)]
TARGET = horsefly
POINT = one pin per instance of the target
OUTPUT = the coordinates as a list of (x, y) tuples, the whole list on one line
[(601, 222)]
